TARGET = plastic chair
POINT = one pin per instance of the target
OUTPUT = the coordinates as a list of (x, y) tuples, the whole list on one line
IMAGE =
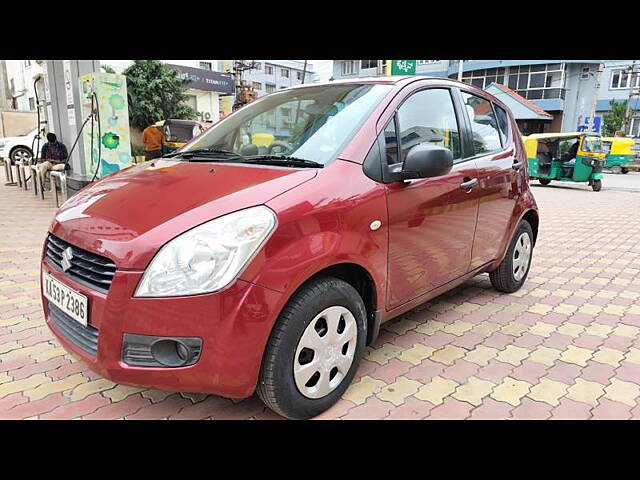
[(61, 178)]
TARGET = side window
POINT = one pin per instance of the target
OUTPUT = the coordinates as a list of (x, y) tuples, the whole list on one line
[(503, 123), (484, 126), (428, 117)]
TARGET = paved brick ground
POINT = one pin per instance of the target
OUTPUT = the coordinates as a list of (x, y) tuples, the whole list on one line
[(566, 346)]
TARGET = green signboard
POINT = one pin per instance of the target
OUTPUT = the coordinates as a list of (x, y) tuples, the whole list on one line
[(403, 67)]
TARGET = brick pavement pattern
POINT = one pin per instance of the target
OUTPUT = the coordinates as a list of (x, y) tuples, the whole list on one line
[(567, 345)]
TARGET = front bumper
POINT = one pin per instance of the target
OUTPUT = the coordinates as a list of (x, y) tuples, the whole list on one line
[(234, 326)]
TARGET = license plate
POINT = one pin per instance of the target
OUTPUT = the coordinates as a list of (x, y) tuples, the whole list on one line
[(66, 299)]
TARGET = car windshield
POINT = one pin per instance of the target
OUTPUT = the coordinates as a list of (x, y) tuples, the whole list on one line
[(592, 144), (310, 123)]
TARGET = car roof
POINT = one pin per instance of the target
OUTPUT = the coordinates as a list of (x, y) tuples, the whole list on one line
[(541, 136), (383, 80)]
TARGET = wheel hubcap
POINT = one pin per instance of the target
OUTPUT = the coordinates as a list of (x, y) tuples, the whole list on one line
[(325, 352), (22, 155), (521, 256)]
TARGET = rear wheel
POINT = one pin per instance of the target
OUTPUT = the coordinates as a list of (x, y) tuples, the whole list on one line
[(544, 181), (625, 170), (513, 271), (617, 169), (314, 349), (596, 185)]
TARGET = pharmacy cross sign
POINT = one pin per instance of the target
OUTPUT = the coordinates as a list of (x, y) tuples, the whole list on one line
[(403, 67)]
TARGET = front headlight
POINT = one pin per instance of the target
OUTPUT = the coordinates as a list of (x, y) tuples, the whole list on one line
[(208, 257)]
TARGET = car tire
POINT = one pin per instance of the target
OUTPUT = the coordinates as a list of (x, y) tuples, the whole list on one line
[(597, 185), (20, 153), (544, 181), (514, 268), (319, 308), (625, 170), (617, 169)]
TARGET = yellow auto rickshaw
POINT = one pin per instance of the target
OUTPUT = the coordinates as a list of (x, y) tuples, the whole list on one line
[(619, 157), (568, 157)]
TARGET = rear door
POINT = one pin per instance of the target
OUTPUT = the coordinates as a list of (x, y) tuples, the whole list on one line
[(499, 174), (431, 220)]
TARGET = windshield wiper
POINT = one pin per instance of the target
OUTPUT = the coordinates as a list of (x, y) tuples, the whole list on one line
[(200, 151), (282, 160)]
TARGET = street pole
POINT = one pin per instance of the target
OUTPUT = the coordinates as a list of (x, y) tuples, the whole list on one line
[(632, 93), (460, 65), (304, 71), (594, 99)]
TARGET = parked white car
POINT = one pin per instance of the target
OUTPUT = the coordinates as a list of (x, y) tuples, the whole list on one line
[(18, 148)]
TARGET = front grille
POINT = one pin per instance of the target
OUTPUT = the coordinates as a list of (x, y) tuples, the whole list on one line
[(86, 268), (82, 337)]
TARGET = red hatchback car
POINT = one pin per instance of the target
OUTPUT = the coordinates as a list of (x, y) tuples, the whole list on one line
[(267, 252)]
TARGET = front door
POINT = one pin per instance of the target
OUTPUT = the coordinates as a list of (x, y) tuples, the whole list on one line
[(431, 220)]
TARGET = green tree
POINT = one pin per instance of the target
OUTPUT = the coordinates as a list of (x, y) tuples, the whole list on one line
[(156, 92), (614, 119)]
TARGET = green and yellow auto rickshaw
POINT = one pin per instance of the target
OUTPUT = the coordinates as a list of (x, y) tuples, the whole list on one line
[(567, 157), (619, 157), (177, 133)]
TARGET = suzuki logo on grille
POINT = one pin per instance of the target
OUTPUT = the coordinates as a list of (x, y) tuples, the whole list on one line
[(67, 255)]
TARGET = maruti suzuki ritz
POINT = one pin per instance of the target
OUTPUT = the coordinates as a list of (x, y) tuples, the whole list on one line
[(264, 255)]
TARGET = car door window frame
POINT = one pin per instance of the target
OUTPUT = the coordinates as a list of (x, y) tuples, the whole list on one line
[(379, 154)]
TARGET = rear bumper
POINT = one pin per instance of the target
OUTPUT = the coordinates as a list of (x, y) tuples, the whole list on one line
[(234, 326)]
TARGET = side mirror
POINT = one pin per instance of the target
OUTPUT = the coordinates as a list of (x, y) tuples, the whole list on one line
[(425, 161)]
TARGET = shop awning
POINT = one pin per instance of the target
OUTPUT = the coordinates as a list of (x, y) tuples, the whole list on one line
[(522, 108)]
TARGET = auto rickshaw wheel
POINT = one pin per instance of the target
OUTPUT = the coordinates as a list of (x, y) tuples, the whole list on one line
[(596, 185), (625, 170), (617, 169), (544, 181)]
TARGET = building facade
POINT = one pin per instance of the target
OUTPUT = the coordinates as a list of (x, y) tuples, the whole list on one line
[(274, 75), (566, 89)]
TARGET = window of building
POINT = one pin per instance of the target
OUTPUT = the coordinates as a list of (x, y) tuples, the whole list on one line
[(284, 72), (268, 69), (537, 81), (483, 78), (205, 65), (634, 127), (425, 117), (257, 66), (299, 75), (620, 79), (368, 64), (27, 63), (427, 62), (32, 103), (484, 126), (348, 67), (270, 88), (257, 86)]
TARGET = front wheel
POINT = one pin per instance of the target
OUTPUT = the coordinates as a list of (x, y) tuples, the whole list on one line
[(597, 185), (617, 169), (20, 154), (314, 349), (544, 181), (512, 271)]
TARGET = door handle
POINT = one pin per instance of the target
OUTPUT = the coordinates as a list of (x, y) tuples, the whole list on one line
[(517, 165), (468, 185)]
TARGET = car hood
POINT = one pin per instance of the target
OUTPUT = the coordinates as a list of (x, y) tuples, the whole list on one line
[(127, 216)]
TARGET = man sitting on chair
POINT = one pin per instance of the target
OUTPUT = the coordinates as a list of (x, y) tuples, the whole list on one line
[(53, 156)]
